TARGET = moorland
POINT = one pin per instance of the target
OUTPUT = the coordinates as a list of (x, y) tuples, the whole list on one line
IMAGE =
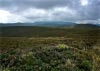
[(35, 48)]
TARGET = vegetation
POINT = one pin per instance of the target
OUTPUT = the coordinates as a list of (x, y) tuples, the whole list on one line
[(30, 31), (72, 50)]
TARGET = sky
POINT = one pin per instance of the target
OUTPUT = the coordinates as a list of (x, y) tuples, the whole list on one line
[(80, 11)]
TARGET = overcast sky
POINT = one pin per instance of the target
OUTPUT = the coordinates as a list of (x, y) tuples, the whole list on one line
[(49, 10)]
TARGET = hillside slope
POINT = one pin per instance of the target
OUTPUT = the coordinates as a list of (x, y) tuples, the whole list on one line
[(33, 31)]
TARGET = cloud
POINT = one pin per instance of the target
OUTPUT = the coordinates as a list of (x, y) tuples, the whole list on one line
[(89, 21), (6, 16), (59, 10), (36, 3), (57, 13), (34, 14)]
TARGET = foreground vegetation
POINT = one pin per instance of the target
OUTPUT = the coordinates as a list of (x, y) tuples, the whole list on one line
[(49, 54), (49, 49)]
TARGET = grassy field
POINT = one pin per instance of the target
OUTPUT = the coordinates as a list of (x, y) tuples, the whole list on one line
[(49, 49)]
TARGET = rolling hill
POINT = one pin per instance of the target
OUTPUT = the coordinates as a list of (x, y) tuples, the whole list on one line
[(83, 26), (37, 31)]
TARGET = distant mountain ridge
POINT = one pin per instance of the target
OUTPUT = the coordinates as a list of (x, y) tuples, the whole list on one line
[(44, 24), (52, 24)]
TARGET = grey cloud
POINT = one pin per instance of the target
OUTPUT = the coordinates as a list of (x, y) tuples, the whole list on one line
[(37, 3), (79, 12)]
